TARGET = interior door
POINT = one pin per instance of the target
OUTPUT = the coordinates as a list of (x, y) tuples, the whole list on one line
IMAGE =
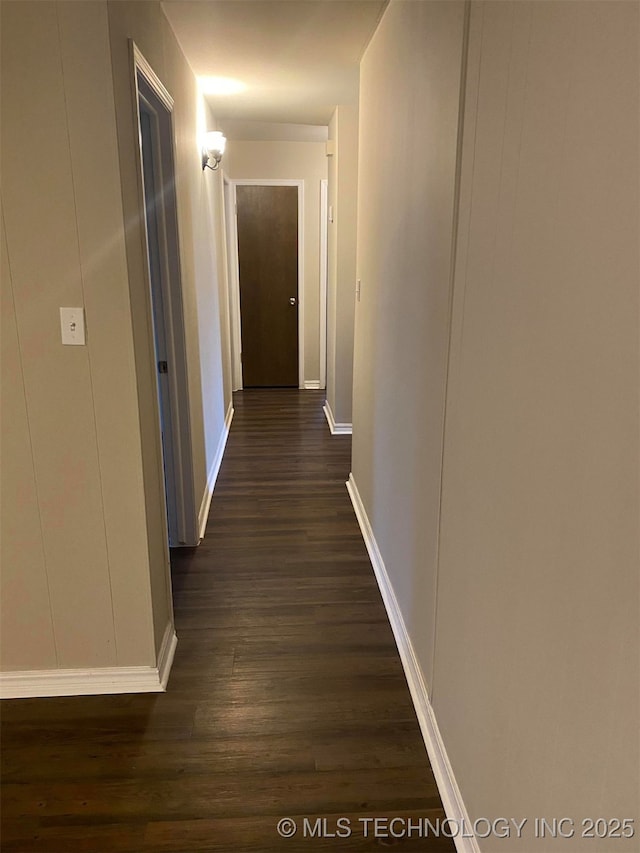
[(268, 271)]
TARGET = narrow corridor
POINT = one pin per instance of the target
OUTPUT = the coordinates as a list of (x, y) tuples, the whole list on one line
[(287, 696)]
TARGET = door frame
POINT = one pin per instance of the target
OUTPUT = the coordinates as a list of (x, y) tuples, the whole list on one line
[(324, 272), (181, 491), (234, 281)]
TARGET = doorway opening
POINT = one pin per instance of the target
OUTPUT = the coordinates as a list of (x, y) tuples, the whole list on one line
[(154, 108), (267, 285)]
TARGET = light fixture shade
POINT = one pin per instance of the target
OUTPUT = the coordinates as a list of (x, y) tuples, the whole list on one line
[(214, 142)]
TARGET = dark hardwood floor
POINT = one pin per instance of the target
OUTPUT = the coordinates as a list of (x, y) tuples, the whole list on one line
[(287, 696)]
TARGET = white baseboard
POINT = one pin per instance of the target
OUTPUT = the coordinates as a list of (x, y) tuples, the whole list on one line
[(203, 515), (336, 428), (166, 654), (90, 682), (311, 384), (448, 787)]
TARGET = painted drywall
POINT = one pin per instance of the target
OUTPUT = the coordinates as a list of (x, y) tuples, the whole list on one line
[(536, 668), (305, 161), (217, 214), (75, 570), (342, 232), (24, 582), (410, 82), (84, 555), (524, 618), (203, 271), (125, 21), (145, 23)]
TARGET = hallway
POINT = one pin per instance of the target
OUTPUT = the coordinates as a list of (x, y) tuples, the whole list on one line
[(287, 696)]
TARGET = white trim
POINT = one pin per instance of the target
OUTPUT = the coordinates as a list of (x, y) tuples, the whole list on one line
[(166, 654), (447, 786), (300, 283), (336, 428), (324, 271), (203, 515), (79, 682), (40, 683), (141, 64), (270, 182), (312, 385)]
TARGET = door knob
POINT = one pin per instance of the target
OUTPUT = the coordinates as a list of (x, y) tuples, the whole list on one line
[(292, 300)]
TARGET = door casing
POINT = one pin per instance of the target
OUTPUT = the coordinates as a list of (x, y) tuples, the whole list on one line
[(324, 270), (184, 529)]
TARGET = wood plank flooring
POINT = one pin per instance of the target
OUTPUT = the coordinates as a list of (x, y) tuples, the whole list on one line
[(287, 696)]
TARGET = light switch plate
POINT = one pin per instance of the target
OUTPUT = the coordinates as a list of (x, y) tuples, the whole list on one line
[(72, 326)]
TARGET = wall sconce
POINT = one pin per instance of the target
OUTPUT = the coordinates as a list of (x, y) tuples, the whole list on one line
[(213, 149)]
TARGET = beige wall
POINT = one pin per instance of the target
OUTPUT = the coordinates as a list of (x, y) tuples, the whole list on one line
[(84, 556), (537, 629), (342, 233), (24, 576), (305, 161), (75, 570), (526, 622), (407, 159), (218, 217), (196, 193)]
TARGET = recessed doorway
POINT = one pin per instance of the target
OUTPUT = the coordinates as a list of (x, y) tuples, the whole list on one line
[(167, 340)]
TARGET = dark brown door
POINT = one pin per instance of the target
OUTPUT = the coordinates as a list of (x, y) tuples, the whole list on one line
[(268, 264)]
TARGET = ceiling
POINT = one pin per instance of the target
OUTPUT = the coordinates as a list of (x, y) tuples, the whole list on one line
[(297, 58)]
